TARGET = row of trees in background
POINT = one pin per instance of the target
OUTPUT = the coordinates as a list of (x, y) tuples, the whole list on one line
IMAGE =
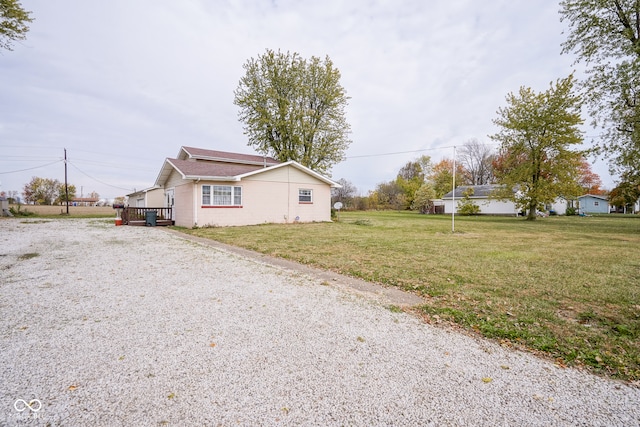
[(420, 181), (414, 189), (47, 191)]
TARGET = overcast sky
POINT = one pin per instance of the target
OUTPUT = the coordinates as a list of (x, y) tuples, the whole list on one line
[(122, 84)]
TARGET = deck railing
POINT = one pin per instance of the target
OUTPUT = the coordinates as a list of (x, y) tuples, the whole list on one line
[(135, 214)]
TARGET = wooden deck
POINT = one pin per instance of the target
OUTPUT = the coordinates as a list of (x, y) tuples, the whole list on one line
[(138, 216)]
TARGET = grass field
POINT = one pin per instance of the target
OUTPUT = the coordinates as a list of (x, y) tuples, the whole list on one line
[(568, 287), (74, 211)]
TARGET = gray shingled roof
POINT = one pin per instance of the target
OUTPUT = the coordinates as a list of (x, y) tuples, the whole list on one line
[(212, 169), (204, 154), (479, 191), (198, 163)]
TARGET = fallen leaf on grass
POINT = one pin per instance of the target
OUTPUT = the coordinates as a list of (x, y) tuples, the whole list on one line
[(212, 344), (72, 387), (487, 379), (560, 363)]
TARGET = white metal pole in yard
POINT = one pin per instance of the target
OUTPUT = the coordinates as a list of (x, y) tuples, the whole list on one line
[(453, 194)]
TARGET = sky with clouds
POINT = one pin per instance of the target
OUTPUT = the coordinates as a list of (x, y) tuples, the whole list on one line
[(124, 84)]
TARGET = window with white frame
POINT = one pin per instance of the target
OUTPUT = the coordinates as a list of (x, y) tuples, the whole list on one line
[(221, 195), (596, 203), (305, 196)]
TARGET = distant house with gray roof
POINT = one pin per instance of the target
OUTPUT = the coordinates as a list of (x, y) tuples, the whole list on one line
[(482, 197), (485, 197)]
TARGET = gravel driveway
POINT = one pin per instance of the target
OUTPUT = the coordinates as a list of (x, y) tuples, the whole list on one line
[(104, 325)]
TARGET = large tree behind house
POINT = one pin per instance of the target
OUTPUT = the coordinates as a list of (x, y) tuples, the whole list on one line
[(294, 109)]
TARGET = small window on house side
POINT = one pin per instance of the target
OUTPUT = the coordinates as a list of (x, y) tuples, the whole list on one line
[(305, 196), (596, 203)]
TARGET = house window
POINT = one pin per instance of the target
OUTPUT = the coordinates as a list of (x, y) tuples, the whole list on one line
[(596, 203), (305, 196), (221, 195)]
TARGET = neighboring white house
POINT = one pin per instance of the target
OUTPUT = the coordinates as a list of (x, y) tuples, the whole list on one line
[(483, 197), (152, 197), (593, 204), (216, 188)]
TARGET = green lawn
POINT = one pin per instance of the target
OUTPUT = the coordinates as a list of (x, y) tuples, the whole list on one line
[(565, 286)]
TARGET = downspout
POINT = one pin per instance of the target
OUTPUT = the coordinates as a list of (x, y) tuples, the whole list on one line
[(195, 202), (288, 193)]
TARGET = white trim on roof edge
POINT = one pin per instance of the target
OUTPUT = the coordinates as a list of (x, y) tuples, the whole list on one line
[(597, 196), (295, 165), (162, 172)]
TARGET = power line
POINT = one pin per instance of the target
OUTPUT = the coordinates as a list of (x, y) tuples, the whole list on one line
[(397, 152), (411, 151), (31, 158), (33, 146), (116, 166), (97, 180), (35, 167)]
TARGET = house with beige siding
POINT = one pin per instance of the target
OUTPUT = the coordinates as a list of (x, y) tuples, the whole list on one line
[(216, 188)]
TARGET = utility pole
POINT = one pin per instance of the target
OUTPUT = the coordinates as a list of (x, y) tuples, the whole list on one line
[(66, 187), (453, 194)]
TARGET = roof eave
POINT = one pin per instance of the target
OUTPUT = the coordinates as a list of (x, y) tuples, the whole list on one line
[(296, 165), (211, 178), (165, 171)]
